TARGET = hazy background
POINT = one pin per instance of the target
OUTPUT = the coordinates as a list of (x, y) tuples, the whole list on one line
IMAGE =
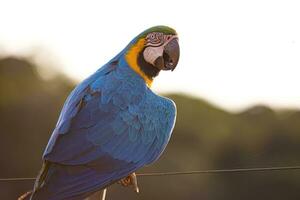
[(233, 53), (236, 89)]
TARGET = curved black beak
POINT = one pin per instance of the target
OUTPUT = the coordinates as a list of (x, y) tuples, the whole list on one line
[(170, 57)]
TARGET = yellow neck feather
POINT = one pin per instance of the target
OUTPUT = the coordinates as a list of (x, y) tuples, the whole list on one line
[(131, 58)]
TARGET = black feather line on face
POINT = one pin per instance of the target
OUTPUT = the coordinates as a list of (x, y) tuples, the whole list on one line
[(150, 70)]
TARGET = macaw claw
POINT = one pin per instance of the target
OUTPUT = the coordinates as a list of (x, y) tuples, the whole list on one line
[(130, 180)]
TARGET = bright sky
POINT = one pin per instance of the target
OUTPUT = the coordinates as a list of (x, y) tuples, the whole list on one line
[(233, 53)]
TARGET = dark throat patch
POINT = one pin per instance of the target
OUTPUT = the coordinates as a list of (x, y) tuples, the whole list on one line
[(150, 70)]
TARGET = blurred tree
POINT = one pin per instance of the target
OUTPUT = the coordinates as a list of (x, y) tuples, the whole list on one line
[(205, 137), (29, 107)]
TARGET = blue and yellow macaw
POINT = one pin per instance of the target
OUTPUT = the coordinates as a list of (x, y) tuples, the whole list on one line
[(111, 124)]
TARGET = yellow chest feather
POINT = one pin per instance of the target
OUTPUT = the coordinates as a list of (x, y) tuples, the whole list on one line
[(131, 58)]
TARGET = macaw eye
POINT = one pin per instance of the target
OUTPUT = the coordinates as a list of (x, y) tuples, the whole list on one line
[(154, 39)]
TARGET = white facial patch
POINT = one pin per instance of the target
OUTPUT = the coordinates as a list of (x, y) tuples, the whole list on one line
[(152, 53)]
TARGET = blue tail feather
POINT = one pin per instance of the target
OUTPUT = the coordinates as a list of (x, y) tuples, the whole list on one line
[(65, 182)]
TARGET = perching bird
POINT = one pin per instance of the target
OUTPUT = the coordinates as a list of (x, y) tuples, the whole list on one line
[(111, 124)]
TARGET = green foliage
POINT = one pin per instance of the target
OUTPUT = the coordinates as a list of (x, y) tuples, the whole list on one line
[(205, 137)]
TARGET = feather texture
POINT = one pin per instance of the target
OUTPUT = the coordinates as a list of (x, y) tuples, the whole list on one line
[(111, 125)]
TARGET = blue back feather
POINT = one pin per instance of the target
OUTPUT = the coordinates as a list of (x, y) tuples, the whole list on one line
[(112, 123)]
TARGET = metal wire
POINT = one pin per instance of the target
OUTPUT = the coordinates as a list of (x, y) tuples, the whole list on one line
[(213, 171), (218, 171), (16, 179)]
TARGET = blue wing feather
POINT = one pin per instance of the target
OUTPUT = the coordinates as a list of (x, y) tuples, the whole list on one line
[(112, 122)]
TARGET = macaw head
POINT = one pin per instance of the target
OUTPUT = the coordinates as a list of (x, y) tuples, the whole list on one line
[(153, 50)]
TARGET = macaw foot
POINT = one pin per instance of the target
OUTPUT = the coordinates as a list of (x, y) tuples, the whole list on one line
[(130, 180)]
